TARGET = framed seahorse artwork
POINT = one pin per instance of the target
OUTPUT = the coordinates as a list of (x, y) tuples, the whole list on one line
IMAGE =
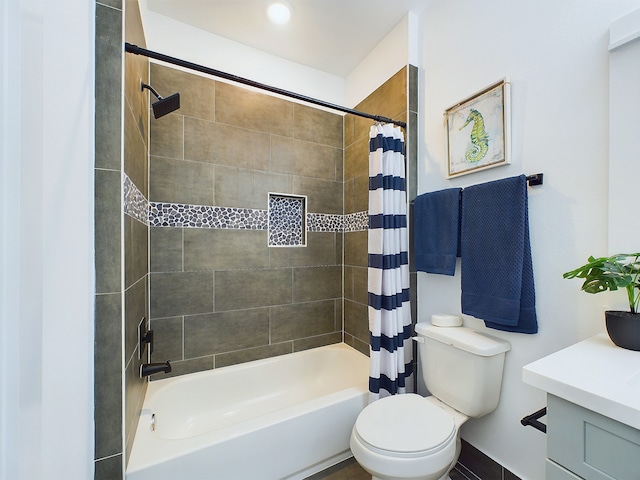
[(478, 130)]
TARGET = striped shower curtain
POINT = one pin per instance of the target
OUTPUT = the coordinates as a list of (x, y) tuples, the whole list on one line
[(389, 308)]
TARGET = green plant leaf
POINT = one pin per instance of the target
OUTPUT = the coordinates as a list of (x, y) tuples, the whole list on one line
[(611, 273)]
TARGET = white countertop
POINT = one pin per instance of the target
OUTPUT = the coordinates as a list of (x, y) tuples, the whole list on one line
[(594, 374)]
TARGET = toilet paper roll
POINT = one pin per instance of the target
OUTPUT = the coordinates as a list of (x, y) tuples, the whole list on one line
[(446, 320)]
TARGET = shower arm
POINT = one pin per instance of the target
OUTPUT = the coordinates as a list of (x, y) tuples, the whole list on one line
[(130, 48), (151, 89)]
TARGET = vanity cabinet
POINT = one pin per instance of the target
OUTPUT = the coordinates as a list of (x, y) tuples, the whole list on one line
[(593, 410), (553, 471), (584, 444)]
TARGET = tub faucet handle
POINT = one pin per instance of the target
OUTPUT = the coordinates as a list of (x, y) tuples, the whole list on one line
[(145, 337), (151, 368), (148, 339)]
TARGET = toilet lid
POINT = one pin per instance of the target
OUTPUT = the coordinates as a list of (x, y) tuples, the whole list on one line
[(405, 424)]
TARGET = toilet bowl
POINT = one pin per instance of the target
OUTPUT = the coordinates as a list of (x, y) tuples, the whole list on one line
[(407, 437)]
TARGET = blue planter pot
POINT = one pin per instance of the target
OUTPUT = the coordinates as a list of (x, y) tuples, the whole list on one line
[(623, 328)]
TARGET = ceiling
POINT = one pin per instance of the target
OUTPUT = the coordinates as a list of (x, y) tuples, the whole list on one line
[(329, 35)]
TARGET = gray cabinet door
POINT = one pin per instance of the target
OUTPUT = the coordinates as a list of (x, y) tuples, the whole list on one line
[(556, 472), (590, 445)]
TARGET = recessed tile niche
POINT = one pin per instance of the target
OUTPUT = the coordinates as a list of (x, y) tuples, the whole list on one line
[(287, 220)]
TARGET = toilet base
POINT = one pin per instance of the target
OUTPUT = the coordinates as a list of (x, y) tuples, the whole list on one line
[(445, 476), (389, 468)]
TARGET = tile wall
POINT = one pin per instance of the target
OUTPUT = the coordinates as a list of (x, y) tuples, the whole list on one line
[(121, 258), (108, 239), (135, 227), (219, 294), (397, 99)]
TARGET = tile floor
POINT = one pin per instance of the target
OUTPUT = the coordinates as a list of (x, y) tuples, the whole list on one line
[(345, 470), (350, 470)]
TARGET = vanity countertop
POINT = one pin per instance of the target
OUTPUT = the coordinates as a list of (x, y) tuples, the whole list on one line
[(594, 374)]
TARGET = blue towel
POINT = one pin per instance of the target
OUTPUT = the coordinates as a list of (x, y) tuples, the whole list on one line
[(437, 231), (497, 272)]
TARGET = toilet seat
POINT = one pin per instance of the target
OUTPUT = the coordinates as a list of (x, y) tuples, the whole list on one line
[(405, 426)]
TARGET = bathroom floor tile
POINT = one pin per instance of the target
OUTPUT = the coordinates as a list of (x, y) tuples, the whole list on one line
[(350, 470), (346, 470), (456, 474)]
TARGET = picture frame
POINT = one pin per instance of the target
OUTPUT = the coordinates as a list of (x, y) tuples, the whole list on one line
[(478, 130)]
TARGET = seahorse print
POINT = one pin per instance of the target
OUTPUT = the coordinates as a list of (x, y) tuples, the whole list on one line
[(479, 137)]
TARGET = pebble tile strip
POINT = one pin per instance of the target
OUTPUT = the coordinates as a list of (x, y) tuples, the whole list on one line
[(285, 222)]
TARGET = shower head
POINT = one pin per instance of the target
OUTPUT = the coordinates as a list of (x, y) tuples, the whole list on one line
[(163, 106)]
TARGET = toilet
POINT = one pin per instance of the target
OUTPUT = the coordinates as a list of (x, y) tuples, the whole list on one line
[(411, 437)]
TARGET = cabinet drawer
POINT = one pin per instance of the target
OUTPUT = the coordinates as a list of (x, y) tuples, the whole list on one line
[(589, 444), (556, 472)]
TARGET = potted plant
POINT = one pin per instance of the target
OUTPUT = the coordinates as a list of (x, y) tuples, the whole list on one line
[(611, 273)]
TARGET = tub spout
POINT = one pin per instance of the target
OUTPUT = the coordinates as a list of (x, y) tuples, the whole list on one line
[(151, 368)]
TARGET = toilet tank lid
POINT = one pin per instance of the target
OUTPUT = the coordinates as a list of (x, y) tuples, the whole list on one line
[(478, 343)]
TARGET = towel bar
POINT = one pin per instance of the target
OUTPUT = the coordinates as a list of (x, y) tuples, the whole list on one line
[(535, 179), (532, 420)]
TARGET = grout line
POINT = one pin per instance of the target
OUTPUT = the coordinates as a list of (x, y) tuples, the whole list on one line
[(466, 472), (269, 309), (183, 337)]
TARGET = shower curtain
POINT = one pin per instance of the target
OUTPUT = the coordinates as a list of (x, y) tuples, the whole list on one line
[(389, 307)]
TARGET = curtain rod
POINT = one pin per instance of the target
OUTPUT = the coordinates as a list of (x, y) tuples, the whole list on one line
[(128, 47)]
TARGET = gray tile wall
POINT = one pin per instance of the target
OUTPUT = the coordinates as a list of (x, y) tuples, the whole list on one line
[(412, 190), (108, 238), (118, 237), (397, 99), (136, 232), (229, 147), (220, 297)]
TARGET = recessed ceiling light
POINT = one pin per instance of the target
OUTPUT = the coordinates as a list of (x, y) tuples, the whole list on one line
[(279, 12)]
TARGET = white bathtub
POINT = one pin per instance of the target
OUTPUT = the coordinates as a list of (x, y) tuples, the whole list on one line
[(285, 417)]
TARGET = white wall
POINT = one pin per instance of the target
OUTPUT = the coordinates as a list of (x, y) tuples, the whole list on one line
[(46, 239), (397, 49), (555, 54), (384, 61), (624, 123)]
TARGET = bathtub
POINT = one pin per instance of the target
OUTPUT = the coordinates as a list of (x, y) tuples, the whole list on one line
[(285, 417)]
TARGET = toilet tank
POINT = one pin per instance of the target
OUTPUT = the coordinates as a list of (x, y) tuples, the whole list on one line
[(462, 367)]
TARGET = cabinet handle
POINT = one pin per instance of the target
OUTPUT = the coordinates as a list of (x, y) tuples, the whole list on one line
[(532, 420)]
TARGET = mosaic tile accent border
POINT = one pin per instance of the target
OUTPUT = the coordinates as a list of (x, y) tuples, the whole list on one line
[(135, 203), (323, 222), (356, 222), (198, 216), (352, 222)]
